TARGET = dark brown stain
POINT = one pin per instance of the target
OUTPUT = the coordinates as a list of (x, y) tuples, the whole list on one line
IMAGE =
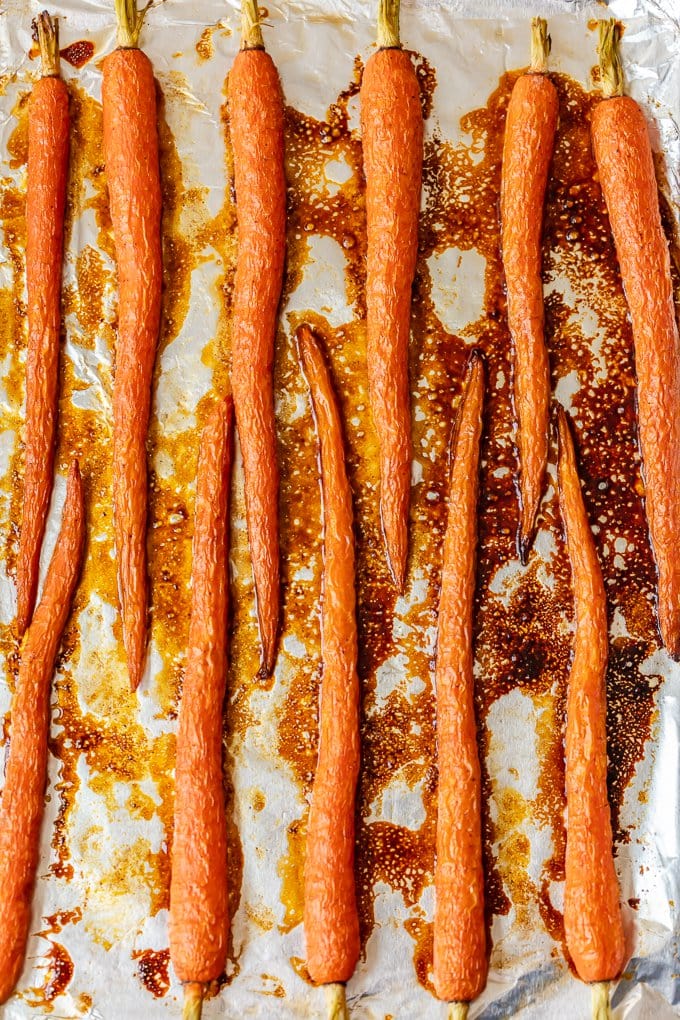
[(152, 970), (78, 53)]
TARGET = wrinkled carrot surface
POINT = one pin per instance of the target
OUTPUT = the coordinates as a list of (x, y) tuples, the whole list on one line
[(256, 128), (133, 177), (331, 919), (23, 795), (48, 149), (527, 152), (199, 918), (460, 959), (592, 916), (392, 137), (626, 170)]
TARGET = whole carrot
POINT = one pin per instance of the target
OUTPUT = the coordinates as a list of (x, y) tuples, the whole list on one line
[(392, 130), (48, 145), (331, 920), (199, 916), (256, 127), (460, 959), (23, 795), (592, 917), (626, 169), (133, 177), (527, 151)]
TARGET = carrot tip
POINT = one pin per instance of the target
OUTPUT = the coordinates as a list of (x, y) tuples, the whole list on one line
[(601, 1009), (524, 544), (193, 1001), (458, 1010), (336, 1002)]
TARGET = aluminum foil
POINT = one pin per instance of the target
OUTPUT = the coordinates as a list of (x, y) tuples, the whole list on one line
[(99, 931)]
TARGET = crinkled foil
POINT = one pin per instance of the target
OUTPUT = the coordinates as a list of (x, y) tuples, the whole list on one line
[(98, 946)]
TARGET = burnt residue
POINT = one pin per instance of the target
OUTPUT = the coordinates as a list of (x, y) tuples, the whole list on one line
[(152, 970), (78, 53)]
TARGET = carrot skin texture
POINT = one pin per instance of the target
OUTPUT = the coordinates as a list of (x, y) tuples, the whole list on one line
[(23, 795), (527, 153), (199, 907), (48, 149), (256, 125), (133, 175), (331, 919), (626, 168), (460, 958), (592, 915), (392, 130)]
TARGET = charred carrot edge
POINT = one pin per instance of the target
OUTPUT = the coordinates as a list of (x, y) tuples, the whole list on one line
[(460, 959), (133, 176), (527, 153), (592, 916), (199, 916), (331, 919), (23, 795), (392, 130), (48, 148), (256, 128), (626, 169)]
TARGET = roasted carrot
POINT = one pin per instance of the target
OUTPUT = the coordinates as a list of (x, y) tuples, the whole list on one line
[(527, 151), (460, 959), (48, 145), (133, 177), (331, 920), (592, 916), (626, 169), (256, 128), (392, 131), (199, 917), (23, 795)]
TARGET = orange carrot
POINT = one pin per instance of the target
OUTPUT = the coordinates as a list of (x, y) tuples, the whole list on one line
[(330, 909), (256, 127), (199, 916), (460, 960), (626, 168), (48, 145), (133, 176), (592, 917), (527, 151), (392, 129), (23, 795)]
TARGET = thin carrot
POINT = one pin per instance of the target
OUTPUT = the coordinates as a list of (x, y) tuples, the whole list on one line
[(133, 176), (199, 916), (256, 128), (23, 795), (592, 916), (331, 920), (460, 960), (48, 146), (527, 151), (392, 130), (626, 169)]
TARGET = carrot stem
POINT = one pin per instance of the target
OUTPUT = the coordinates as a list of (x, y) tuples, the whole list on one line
[(47, 28), (130, 21), (251, 30), (458, 1010), (336, 1002), (193, 1001), (388, 25), (541, 44), (601, 1009), (611, 71)]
